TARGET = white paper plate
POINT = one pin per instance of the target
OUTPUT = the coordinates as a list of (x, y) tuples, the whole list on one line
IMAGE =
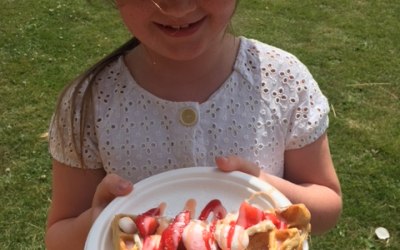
[(175, 188)]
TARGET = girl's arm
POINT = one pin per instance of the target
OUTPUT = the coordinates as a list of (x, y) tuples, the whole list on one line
[(78, 197), (309, 178)]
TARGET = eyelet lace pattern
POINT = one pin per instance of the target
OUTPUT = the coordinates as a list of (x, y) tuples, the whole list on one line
[(270, 103)]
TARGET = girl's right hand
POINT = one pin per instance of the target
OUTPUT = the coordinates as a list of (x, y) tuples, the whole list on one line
[(109, 188), (78, 197)]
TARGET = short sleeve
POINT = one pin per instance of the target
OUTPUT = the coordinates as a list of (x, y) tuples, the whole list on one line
[(308, 117), (64, 132)]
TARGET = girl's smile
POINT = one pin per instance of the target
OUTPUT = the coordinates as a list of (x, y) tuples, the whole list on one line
[(181, 30)]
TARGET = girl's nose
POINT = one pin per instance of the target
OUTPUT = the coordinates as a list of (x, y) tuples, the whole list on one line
[(175, 8)]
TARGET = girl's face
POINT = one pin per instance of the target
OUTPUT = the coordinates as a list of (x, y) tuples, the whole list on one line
[(177, 29)]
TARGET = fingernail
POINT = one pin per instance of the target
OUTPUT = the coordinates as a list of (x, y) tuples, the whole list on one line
[(221, 159), (123, 185)]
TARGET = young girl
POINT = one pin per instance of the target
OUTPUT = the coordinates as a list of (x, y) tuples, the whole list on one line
[(185, 92)]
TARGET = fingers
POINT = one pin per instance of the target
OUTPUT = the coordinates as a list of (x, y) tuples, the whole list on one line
[(108, 189), (224, 164), (236, 163)]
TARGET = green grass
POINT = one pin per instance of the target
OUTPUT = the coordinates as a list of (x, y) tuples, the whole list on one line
[(351, 47)]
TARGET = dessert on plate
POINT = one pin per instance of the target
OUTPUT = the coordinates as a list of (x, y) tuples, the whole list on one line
[(250, 228)]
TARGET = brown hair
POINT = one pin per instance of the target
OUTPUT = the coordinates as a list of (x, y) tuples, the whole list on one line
[(85, 106)]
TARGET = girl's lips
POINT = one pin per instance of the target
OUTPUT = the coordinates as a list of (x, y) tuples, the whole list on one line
[(181, 30)]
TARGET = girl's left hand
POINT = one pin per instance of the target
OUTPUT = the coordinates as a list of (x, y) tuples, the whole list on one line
[(236, 163), (309, 178)]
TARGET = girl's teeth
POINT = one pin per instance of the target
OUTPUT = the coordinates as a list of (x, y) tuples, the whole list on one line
[(177, 27)]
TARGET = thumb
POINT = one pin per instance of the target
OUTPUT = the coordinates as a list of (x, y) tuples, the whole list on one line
[(108, 189)]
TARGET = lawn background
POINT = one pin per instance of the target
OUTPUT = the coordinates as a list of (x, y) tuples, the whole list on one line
[(351, 47)]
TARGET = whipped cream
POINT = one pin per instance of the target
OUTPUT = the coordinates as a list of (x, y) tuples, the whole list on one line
[(231, 236), (197, 235), (127, 225)]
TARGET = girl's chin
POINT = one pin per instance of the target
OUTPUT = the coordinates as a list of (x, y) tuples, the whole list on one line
[(182, 57), (188, 49), (182, 54)]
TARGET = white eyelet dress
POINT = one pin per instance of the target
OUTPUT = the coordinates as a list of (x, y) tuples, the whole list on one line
[(269, 104)]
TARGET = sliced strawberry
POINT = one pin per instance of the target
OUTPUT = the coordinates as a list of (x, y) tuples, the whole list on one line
[(153, 212), (172, 235), (249, 215), (147, 223), (214, 206), (279, 224)]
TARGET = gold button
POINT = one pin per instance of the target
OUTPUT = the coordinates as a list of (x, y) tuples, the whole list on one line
[(188, 117)]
